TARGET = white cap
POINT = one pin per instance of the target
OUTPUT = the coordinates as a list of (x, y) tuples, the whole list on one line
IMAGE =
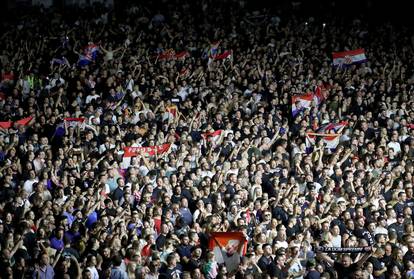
[(380, 230), (340, 199)]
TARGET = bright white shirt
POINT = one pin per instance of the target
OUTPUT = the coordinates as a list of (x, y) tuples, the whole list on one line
[(89, 98), (94, 271), (28, 185), (395, 145), (336, 241)]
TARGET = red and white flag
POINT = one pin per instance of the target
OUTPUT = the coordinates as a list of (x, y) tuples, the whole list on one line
[(346, 58), (228, 247), (182, 55), (336, 127), (212, 136), (320, 94), (301, 102), (149, 150), (225, 55), (172, 111), (74, 122), (170, 54), (331, 141)]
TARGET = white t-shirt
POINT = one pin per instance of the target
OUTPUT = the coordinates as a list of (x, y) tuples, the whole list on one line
[(28, 185), (395, 145), (94, 271), (89, 98), (336, 241)]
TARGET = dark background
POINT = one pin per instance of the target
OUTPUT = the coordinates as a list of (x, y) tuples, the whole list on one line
[(397, 11)]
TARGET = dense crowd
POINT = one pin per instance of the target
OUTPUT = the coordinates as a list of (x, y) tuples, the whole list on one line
[(72, 205)]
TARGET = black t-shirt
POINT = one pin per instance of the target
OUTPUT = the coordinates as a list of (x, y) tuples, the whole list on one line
[(291, 231), (117, 194), (264, 262), (345, 272), (171, 273), (377, 265), (363, 233), (160, 242), (399, 228), (313, 274), (280, 214), (191, 265), (409, 256), (276, 272)]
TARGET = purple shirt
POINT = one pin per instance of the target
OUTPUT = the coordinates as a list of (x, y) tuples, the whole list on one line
[(56, 243), (45, 272)]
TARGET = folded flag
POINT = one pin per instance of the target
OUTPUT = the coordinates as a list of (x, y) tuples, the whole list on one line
[(92, 50), (214, 137), (331, 141), (336, 127), (346, 58), (213, 51), (84, 60), (170, 54), (149, 150), (24, 121), (228, 248), (184, 73), (172, 111), (90, 53), (225, 55), (6, 124), (60, 61), (74, 122), (320, 94), (182, 55), (301, 102), (9, 124), (166, 55)]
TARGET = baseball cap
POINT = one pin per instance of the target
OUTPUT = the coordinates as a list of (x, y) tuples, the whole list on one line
[(340, 199)]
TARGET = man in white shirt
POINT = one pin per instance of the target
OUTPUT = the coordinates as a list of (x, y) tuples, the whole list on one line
[(394, 144), (91, 97), (28, 184)]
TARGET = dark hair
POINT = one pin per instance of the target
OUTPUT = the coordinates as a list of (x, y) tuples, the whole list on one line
[(117, 260), (170, 257)]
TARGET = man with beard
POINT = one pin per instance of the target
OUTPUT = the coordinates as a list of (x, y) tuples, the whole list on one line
[(361, 232)]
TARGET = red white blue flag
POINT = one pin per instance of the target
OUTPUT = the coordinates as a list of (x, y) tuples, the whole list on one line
[(331, 141), (301, 102), (346, 58)]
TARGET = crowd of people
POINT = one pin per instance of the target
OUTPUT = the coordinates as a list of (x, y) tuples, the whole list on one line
[(73, 206)]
